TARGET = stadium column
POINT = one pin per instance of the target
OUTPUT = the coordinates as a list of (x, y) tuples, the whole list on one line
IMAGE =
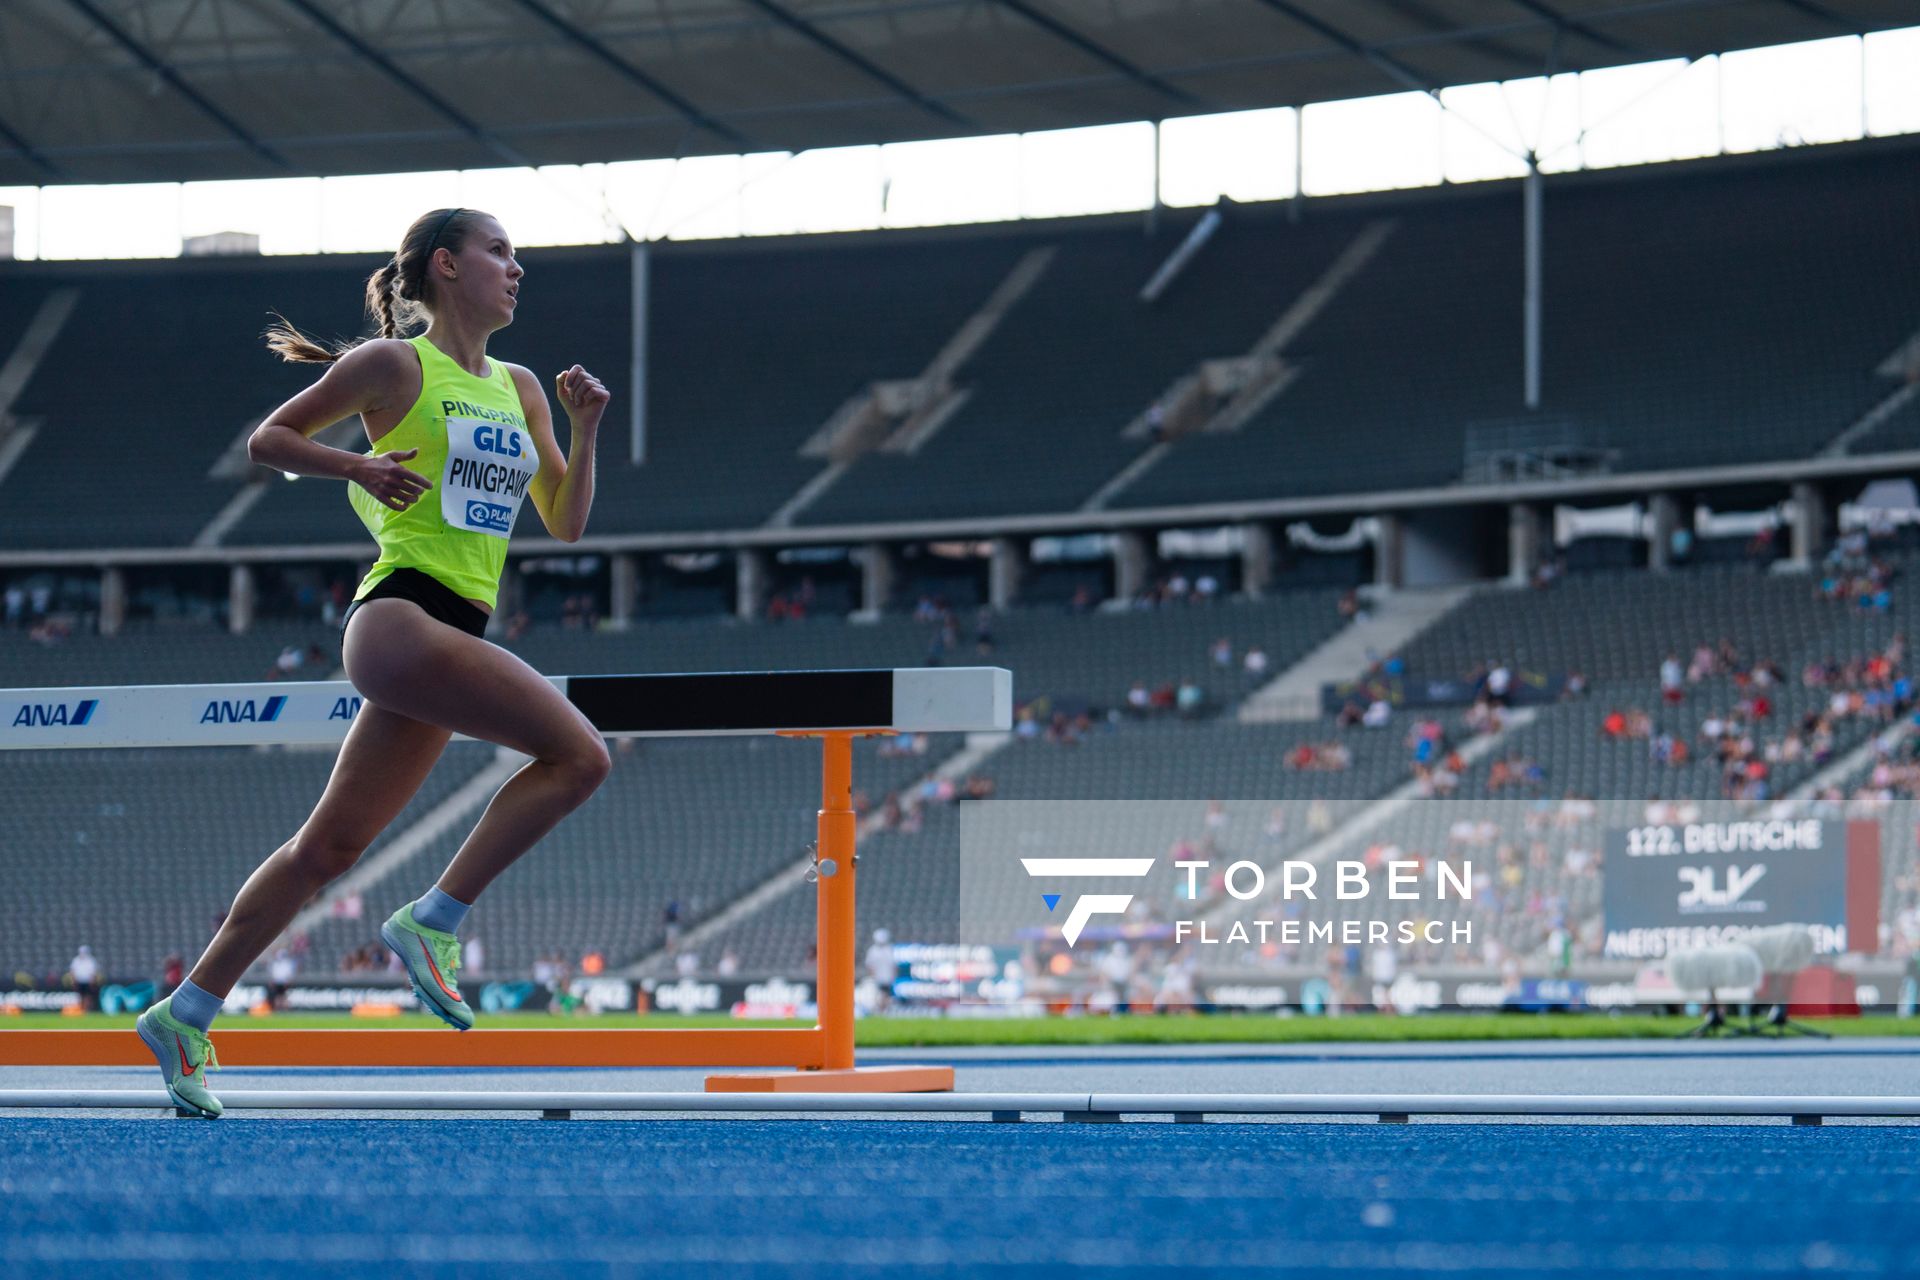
[(1389, 550), (1524, 539), (625, 590), (1666, 518), (113, 599), (876, 579), (1810, 522), (749, 582), (240, 599), (1256, 557), (1004, 571), (1132, 563)]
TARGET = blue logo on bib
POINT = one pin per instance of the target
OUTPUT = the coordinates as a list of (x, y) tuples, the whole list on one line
[(490, 515)]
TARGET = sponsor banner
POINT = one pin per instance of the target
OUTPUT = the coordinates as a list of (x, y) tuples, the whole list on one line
[(742, 998), (1670, 887), (1404, 692), (336, 999), (280, 711), (178, 715), (1418, 993)]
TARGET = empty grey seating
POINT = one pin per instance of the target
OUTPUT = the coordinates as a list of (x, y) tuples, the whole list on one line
[(148, 652), (1744, 305), (136, 853), (697, 822), (187, 374), (1093, 658), (1077, 360)]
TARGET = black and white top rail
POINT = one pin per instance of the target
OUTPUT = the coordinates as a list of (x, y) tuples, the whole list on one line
[(906, 700)]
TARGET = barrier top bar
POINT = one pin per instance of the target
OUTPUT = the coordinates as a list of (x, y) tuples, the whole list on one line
[(906, 700)]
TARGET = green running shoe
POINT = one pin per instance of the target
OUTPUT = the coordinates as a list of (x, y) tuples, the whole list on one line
[(185, 1055), (432, 957)]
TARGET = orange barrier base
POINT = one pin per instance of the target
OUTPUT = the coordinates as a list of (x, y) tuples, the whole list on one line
[(845, 1080), (439, 1047)]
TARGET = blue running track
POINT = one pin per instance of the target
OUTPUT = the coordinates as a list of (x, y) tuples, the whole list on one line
[(262, 1198)]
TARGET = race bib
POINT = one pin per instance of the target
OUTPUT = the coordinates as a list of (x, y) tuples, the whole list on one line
[(488, 467)]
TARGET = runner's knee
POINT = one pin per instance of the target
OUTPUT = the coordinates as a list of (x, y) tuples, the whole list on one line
[(328, 857), (584, 764)]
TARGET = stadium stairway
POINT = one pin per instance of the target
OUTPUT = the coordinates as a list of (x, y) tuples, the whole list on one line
[(1393, 620)]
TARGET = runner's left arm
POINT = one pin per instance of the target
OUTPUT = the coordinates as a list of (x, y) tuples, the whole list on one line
[(562, 490)]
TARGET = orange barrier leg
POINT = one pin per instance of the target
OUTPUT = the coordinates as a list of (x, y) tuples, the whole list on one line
[(835, 973)]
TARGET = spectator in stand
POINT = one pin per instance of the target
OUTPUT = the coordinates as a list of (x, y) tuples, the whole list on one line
[(1256, 662), (1190, 699), (1614, 725), (1499, 683), (172, 973), (983, 631), (1221, 652), (1672, 688)]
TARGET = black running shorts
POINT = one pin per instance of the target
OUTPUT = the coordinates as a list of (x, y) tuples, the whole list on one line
[(440, 601)]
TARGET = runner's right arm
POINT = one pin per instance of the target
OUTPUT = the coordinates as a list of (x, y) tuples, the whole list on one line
[(366, 380)]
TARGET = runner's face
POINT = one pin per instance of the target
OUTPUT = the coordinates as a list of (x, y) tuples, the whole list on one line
[(489, 277)]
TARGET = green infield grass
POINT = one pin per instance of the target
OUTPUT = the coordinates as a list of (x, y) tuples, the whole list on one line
[(1132, 1029)]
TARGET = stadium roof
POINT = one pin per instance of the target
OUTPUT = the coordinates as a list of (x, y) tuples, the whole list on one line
[(178, 90)]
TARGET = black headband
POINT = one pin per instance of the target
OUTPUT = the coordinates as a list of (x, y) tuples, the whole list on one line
[(433, 241)]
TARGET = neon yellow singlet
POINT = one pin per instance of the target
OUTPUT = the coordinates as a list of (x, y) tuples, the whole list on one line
[(475, 447)]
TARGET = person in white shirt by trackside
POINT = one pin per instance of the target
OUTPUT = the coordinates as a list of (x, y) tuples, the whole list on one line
[(85, 972), (882, 967), (280, 974)]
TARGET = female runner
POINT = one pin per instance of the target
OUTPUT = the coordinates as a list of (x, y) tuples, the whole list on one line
[(479, 436)]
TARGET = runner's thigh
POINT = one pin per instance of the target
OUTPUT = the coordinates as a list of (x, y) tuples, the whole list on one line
[(405, 661)]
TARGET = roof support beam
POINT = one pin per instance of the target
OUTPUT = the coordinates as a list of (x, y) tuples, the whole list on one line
[(594, 48), (172, 78), (1820, 13), (1100, 53), (33, 156), (812, 33), (1573, 26), (1395, 69), (322, 19)]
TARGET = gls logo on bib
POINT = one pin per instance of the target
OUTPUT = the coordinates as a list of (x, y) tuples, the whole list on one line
[(488, 467)]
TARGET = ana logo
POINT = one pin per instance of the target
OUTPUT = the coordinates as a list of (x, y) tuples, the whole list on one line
[(1702, 894), (1088, 905), (345, 708), (489, 515), (44, 715), (244, 711)]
